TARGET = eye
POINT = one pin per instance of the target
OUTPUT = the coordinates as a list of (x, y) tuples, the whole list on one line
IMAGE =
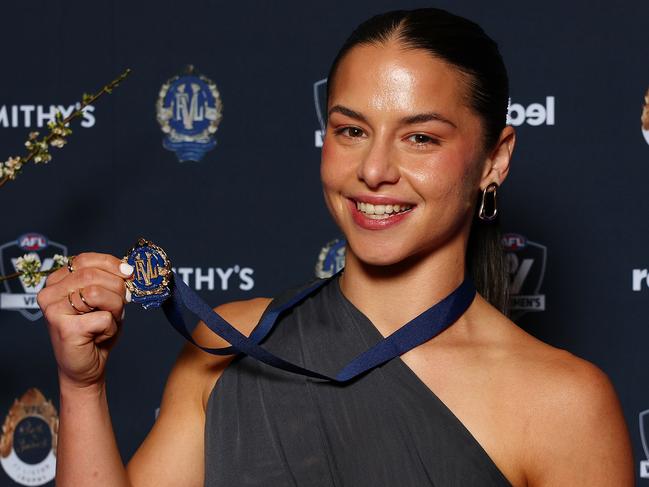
[(352, 132), (422, 139)]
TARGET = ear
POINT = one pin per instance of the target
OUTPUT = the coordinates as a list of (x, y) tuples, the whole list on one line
[(496, 165)]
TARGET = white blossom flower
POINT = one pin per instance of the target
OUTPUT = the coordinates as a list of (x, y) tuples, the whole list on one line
[(57, 142), (27, 260), (29, 266), (59, 261), (6, 171), (14, 163)]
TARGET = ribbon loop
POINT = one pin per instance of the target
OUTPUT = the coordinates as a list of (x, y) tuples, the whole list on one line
[(427, 325)]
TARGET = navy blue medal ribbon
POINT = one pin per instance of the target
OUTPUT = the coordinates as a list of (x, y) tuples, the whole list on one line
[(422, 328), (154, 284)]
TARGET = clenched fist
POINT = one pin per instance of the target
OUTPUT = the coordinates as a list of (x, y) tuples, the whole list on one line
[(84, 309)]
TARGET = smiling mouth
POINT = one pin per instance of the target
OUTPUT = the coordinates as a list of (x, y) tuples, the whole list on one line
[(381, 212)]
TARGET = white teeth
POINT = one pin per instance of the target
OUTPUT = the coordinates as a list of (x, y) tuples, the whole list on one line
[(379, 212)]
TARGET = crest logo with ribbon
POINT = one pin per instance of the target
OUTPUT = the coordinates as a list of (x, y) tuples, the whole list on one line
[(189, 111)]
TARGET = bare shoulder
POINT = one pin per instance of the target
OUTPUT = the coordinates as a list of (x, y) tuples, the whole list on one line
[(172, 453), (574, 428), (242, 315)]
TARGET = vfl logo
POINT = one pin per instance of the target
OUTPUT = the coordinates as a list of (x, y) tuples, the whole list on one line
[(331, 258), (189, 111), (525, 263), (29, 438), (644, 437), (320, 101), (17, 295), (644, 118)]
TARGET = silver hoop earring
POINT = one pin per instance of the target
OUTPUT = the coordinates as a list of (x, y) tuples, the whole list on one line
[(491, 189)]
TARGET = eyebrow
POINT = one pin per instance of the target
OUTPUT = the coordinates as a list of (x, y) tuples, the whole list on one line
[(348, 112), (409, 120), (426, 117)]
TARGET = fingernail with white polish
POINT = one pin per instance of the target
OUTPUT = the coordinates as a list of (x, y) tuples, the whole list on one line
[(123, 314), (128, 296), (126, 269)]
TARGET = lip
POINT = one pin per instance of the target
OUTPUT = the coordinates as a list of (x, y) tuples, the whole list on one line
[(370, 224)]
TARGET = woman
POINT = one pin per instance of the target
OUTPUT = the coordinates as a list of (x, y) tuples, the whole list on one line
[(415, 146)]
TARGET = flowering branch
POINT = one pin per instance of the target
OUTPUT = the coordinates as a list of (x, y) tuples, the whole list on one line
[(29, 269), (38, 150)]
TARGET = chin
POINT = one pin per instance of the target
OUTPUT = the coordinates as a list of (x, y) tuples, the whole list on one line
[(379, 255)]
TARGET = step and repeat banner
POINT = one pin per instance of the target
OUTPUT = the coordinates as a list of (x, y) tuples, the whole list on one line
[(211, 149)]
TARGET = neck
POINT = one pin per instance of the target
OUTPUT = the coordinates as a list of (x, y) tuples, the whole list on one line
[(390, 296)]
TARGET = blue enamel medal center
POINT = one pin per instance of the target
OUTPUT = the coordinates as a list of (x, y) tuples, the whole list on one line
[(152, 274)]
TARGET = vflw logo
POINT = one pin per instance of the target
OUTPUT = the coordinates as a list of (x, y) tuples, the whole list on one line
[(18, 296), (525, 262), (320, 100), (644, 439)]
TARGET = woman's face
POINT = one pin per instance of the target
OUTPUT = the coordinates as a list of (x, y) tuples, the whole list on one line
[(400, 161)]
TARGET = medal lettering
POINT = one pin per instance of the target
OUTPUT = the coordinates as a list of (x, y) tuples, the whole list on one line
[(146, 275), (187, 107)]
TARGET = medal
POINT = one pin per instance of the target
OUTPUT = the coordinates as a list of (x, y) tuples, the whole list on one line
[(152, 275)]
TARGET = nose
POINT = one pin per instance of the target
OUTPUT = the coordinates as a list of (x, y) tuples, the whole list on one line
[(378, 166)]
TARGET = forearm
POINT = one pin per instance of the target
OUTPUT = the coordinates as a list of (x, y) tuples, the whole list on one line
[(87, 452)]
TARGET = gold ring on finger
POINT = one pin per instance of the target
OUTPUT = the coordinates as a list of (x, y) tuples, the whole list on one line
[(70, 267), (90, 308), (72, 304)]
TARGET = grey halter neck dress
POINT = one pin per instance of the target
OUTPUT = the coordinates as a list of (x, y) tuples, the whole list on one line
[(269, 428)]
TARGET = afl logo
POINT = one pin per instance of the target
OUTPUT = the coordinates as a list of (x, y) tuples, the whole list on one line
[(32, 242), (28, 441), (189, 111), (331, 258), (513, 242)]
